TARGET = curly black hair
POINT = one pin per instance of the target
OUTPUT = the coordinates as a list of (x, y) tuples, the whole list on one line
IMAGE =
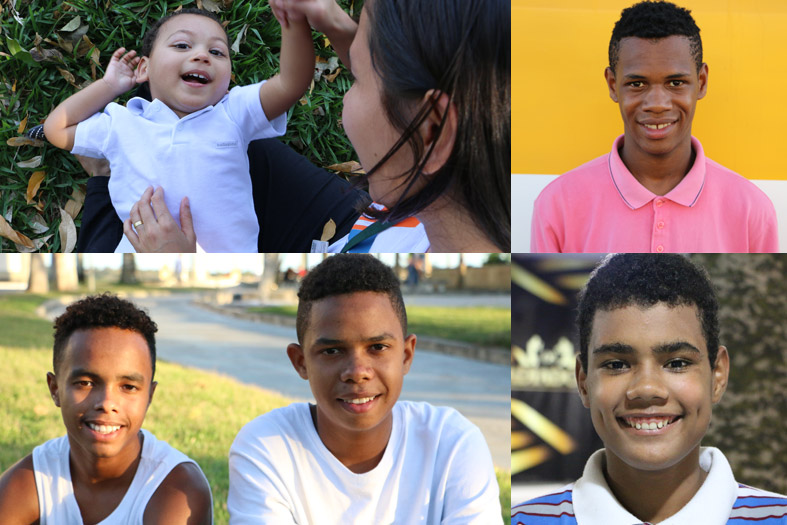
[(644, 279), (103, 311), (655, 20), (346, 273), (150, 36)]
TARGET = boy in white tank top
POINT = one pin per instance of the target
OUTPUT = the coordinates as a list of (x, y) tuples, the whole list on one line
[(106, 469)]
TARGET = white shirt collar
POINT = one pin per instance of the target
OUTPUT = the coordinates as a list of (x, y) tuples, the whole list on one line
[(594, 502)]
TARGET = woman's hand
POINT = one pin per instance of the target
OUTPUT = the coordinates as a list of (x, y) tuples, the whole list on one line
[(156, 230)]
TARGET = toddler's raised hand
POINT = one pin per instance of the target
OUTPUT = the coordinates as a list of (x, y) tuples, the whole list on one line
[(319, 13), (121, 71)]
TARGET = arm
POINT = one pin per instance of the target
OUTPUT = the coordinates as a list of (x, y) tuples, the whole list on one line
[(18, 494), (296, 70), (60, 126), (324, 16), (183, 498)]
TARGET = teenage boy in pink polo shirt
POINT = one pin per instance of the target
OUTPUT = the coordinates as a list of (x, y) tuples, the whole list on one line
[(655, 191)]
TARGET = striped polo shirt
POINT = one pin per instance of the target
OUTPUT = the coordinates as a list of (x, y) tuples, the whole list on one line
[(406, 236), (720, 500)]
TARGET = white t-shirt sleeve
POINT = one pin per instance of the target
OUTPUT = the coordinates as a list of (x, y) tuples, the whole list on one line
[(256, 494), (245, 109), (471, 492), (92, 135)]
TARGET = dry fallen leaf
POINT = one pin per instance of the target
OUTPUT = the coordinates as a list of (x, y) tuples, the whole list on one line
[(23, 125), (332, 76), (74, 204), (15, 142), (211, 5), (73, 25), (351, 167), (67, 75), (9, 233), (328, 231), (32, 163), (44, 55), (68, 232), (236, 45), (33, 184)]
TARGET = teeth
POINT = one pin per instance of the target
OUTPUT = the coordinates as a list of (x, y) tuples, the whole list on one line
[(647, 425), (359, 401), (657, 126), (103, 429)]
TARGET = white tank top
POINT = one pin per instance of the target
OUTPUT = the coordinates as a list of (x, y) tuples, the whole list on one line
[(57, 504)]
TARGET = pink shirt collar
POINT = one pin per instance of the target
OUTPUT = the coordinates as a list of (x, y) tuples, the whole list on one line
[(635, 195)]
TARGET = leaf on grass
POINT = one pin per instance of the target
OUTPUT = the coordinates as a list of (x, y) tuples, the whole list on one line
[(31, 163), (323, 67), (199, 4), (67, 46), (94, 56), (331, 77), (328, 231), (46, 55), (39, 225), (23, 124), (15, 142), (9, 233), (236, 45), (227, 4), (74, 204), (68, 232), (211, 5), (73, 25), (33, 184), (68, 76), (352, 167), (17, 51)]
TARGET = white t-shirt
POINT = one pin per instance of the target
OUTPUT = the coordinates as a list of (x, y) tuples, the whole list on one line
[(202, 156), (57, 504), (436, 469), (406, 236)]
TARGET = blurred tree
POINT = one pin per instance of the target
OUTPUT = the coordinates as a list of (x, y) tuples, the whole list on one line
[(39, 277), (750, 423), (65, 270), (128, 272)]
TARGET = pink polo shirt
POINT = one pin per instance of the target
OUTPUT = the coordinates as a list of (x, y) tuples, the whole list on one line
[(600, 207)]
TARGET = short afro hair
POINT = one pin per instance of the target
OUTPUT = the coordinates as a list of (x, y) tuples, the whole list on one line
[(654, 20), (103, 311), (152, 34), (641, 279), (347, 273)]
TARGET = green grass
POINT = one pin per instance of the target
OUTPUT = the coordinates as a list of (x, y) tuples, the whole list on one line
[(196, 412), (489, 326), (31, 89)]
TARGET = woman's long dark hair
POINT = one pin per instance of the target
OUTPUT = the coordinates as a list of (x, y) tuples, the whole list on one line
[(461, 48)]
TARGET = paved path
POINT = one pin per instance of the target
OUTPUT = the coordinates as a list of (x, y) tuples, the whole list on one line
[(255, 353)]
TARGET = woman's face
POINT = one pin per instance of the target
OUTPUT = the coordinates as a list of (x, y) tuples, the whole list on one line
[(367, 126)]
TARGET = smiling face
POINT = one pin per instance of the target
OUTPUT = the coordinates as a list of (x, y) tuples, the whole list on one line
[(189, 67), (657, 86), (649, 385), (103, 388), (367, 126), (355, 356)]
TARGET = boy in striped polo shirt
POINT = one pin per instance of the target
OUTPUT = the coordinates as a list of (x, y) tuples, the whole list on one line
[(650, 368)]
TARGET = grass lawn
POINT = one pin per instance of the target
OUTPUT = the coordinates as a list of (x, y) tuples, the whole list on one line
[(490, 326), (197, 412)]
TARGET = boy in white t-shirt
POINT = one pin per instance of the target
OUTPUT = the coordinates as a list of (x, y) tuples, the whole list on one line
[(192, 138), (106, 469), (650, 369), (359, 455)]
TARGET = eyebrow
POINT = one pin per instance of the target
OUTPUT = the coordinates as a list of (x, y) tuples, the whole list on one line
[(324, 341), (664, 348), (82, 372), (192, 34), (633, 76)]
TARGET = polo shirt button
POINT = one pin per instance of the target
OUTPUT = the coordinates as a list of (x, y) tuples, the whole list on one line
[(660, 225), (660, 248), (659, 203)]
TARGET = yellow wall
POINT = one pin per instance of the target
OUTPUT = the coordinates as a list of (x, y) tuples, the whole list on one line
[(562, 113)]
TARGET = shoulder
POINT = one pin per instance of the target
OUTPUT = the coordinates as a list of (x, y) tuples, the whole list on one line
[(576, 181), (443, 426), (756, 504), (18, 493), (555, 508), (278, 423), (183, 497), (732, 183)]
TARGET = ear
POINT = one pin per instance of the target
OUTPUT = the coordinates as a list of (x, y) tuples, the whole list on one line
[(51, 382), (429, 129), (142, 73), (609, 75), (409, 351), (703, 81), (721, 373), (582, 378), (153, 385), (295, 353)]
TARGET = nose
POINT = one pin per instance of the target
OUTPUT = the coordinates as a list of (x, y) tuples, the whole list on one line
[(357, 368), (646, 384), (200, 55), (657, 100), (104, 400)]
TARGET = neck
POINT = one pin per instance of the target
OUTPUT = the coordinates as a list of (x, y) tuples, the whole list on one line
[(658, 173), (91, 470), (451, 229), (359, 451), (668, 490)]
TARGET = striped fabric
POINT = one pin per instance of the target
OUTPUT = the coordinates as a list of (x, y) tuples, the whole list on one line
[(407, 236), (589, 501)]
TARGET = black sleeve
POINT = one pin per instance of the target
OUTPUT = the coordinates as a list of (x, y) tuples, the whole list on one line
[(101, 229)]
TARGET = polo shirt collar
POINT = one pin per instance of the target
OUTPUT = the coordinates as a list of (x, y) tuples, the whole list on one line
[(594, 501), (157, 111), (635, 195)]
